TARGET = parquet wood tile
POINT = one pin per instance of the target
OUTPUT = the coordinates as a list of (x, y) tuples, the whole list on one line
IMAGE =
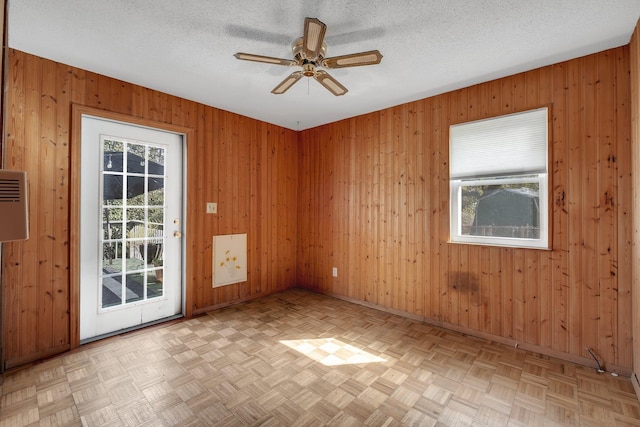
[(303, 359)]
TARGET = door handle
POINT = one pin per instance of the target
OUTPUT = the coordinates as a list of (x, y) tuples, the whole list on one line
[(177, 234)]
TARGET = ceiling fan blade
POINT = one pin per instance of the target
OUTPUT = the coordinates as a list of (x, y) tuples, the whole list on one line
[(265, 59), (353, 60), (313, 37), (330, 83), (287, 83)]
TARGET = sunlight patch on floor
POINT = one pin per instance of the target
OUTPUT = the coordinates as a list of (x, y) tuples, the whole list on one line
[(331, 352)]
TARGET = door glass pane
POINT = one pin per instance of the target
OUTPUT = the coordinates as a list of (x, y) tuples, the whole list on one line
[(156, 161), (112, 275), (112, 222), (111, 291), (111, 263), (154, 281), (132, 222), (135, 190), (113, 155), (135, 286), (155, 218), (156, 191)]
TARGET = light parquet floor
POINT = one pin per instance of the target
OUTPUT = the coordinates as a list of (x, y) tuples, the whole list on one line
[(301, 359)]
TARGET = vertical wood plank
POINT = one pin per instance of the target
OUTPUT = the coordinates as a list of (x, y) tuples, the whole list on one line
[(46, 213), (61, 280), (417, 231), (606, 249), (634, 193), (626, 99), (441, 142), (590, 210), (575, 139), (29, 286), (386, 188), (559, 220)]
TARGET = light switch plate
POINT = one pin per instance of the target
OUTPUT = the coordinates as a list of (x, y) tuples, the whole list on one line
[(212, 208)]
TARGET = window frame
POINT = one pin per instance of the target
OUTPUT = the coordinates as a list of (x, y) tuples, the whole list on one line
[(456, 235), (542, 179)]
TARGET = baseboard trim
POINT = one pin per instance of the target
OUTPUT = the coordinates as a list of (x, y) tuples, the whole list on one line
[(33, 358), (584, 361), (204, 310)]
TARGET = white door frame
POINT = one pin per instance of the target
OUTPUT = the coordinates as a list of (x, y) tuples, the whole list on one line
[(188, 134)]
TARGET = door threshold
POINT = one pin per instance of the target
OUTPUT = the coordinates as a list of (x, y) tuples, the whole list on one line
[(130, 329)]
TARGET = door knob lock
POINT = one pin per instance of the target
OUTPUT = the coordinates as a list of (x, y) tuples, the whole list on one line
[(177, 234)]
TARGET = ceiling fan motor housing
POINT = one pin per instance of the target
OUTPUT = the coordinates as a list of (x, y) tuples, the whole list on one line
[(308, 68)]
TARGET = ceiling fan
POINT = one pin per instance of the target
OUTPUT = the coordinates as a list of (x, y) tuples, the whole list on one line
[(308, 53)]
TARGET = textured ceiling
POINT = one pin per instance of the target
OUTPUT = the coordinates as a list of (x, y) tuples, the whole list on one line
[(186, 47)]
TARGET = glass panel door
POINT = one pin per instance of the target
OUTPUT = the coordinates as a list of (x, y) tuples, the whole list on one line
[(131, 248)]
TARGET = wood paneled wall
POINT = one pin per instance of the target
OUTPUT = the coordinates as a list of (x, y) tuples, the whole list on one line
[(248, 167), (373, 202), (635, 164), (368, 195)]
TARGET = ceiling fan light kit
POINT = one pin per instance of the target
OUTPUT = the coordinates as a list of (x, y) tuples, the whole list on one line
[(309, 53)]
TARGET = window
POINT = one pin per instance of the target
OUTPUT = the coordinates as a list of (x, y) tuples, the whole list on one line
[(498, 180)]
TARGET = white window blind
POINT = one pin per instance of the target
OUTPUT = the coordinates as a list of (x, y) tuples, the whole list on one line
[(500, 146)]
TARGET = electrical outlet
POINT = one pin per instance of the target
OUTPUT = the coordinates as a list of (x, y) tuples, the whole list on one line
[(212, 208), (335, 272)]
